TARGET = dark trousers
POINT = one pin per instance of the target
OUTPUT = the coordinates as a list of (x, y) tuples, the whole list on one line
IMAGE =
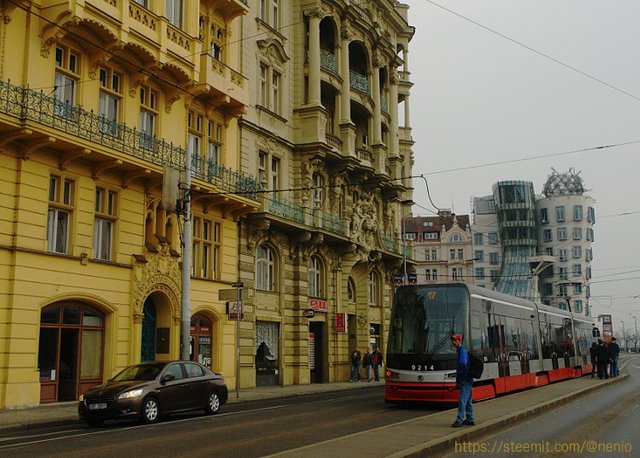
[(602, 370)]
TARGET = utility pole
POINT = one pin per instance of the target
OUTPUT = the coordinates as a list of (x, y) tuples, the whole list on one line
[(185, 310), (624, 335), (635, 339)]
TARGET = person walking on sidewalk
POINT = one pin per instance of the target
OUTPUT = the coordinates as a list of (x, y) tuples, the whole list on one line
[(356, 357), (614, 352), (367, 363), (593, 354), (464, 383), (602, 359), (377, 362)]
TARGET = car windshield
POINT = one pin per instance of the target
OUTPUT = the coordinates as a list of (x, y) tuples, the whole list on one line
[(139, 372)]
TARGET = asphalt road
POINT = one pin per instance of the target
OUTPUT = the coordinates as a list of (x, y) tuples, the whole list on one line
[(241, 430), (602, 424)]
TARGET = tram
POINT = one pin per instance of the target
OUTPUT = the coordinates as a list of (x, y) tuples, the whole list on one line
[(523, 344)]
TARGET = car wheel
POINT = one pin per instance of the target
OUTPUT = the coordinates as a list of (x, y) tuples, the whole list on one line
[(150, 410), (213, 403), (94, 422)]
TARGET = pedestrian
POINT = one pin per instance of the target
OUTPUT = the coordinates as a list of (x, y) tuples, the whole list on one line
[(377, 362), (602, 359), (367, 363), (614, 352), (592, 352), (356, 357), (464, 383)]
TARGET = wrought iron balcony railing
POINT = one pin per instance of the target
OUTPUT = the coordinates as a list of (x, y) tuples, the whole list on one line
[(359, 82), (333, 223), (328, 61), (25, 103), (284, 208)]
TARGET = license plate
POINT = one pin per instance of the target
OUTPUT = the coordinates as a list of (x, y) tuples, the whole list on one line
[(98, 406)]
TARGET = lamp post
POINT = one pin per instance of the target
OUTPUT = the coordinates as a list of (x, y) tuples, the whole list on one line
[(635, 339), (406, 202), (624, 336)]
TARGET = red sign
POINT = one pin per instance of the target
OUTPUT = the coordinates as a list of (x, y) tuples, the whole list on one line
[(318, 305), (232, 310), (340, 322)]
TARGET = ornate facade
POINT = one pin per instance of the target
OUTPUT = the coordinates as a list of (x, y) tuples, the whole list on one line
[(327, 134), (98, 100)]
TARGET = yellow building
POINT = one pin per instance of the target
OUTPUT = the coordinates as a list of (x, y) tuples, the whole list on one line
[(98, 98)]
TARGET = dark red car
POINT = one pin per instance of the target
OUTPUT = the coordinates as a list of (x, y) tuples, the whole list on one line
[(148, 390)]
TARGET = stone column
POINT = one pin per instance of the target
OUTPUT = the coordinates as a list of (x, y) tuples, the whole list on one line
[(377, 133), (394, 148), (345, 102), (314, 57)]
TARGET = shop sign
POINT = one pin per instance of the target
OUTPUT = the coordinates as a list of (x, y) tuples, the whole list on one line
[(233, 309), (412, 279), (340, 322), (398, 279), (318, 305), (308, 313)]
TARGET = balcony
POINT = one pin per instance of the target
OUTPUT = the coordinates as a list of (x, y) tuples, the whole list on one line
[(334, 224), (285, 209), (225, 85), (328, 61), (359, 82), (29, 105)]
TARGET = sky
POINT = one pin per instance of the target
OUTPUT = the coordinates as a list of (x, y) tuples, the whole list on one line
[(508, 90)]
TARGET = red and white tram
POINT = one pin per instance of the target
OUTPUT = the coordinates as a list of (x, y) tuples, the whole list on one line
[(523, 344)]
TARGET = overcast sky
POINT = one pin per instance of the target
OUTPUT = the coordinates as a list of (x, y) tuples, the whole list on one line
[(480, 98)]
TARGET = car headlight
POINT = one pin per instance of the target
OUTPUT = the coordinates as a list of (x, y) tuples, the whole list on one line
[(81, 398), (131, 394)]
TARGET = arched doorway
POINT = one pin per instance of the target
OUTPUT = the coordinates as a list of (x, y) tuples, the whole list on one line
[(201, 340), (70, 351)]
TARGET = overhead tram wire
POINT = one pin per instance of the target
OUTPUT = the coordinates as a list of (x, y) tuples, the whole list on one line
[(540, 53)]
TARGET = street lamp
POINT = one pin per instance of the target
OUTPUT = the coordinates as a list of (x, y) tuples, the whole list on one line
[(635, 340), (624, 335), (407, 202)]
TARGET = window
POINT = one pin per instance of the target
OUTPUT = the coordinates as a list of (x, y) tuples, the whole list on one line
[(175, 10), (434, 274), (577, 251), (478, 255), (590, 234), (270, 12), (317, 193), (65, 83), (562, 254), (547, 235), (351, 290), (215, 131), (577, 287), (455, 238), (315, 277), (204, 131), (270, 95), (577, 233), (142, 3), (274, 173), (577, 212), (434, 255), (265, 274), (562, 273), (548, 289), (461, 254), (577, 306), (477, 238), (61, 196), (409, 235), (373, 288), (479, 273), (105, 219), (591, 215), (548, 251), (205, 255), (427, 224), (562, 290), (452, 254), (148, 114), (562, 233), (494, 276), (493, 259), (456, 274), (493, 238), (588, 254), (110, 89), (560, 213), (544, 216), (431, 235)]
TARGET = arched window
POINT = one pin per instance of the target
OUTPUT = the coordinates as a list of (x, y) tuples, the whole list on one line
[(316, 277), (373, 289), (456, 238), (265, 274), (351, 290)]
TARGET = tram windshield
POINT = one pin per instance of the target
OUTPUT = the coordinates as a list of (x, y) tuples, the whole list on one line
[(424, 318)]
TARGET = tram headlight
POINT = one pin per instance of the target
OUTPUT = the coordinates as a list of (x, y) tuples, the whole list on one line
[(391, 374)]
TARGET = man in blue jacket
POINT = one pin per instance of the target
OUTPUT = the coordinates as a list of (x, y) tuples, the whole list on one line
[(464, 383)]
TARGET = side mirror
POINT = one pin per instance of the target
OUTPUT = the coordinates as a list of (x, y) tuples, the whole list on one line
[(168, 378)]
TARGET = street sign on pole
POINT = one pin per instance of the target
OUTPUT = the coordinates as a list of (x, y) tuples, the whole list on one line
[(232, 294)]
